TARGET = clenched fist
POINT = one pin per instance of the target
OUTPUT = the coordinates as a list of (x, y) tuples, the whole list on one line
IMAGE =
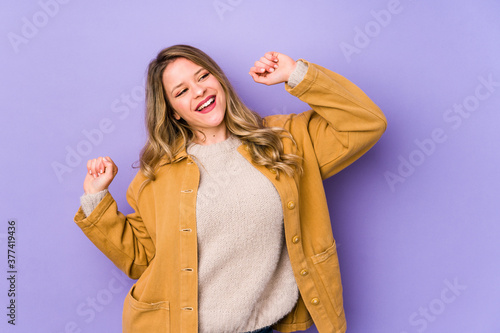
[(100, 173), (272, 68)]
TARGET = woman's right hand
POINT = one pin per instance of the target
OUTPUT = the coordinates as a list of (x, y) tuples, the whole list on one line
[(100, 173)]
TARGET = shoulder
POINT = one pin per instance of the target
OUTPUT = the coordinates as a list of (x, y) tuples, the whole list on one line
[(138, 184)]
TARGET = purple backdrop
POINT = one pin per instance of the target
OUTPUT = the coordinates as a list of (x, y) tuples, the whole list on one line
[(416, 219)]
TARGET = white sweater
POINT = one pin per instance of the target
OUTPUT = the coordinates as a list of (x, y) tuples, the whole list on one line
[(246, 281)]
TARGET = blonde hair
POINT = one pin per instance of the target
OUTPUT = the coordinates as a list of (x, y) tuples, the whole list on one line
[(168, 136)]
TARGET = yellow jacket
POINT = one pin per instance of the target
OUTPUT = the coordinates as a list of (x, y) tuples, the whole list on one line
[(157, 243)]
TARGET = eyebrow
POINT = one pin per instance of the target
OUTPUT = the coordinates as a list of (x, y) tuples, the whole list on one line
[(180, 84)]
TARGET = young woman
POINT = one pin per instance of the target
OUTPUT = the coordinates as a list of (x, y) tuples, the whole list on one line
[(230, 230)]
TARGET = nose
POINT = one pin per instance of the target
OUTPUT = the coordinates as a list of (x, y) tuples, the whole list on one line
[(198, 90)]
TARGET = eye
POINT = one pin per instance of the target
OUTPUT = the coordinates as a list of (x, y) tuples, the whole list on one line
[(180, 93), (204, 76)]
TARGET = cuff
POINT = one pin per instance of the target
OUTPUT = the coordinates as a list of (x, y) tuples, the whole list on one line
[(90, 201), (298, 74)]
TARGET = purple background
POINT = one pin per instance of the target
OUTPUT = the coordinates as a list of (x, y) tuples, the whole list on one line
[(418, 250)]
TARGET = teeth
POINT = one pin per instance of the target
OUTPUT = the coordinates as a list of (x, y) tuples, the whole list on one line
[(204, 105)]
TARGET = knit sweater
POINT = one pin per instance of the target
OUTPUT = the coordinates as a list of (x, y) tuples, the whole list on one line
[(245, 277)]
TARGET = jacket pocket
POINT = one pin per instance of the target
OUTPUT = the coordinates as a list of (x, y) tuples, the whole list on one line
[(327, 266), (145, 317)]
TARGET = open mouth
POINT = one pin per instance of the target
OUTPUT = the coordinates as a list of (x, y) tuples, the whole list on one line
[(206, 103)]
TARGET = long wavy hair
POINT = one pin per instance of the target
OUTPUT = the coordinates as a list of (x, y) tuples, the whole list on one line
[(168, 136)]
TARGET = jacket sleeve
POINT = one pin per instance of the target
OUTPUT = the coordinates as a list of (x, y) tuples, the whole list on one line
[(123, 239), (343, 123)]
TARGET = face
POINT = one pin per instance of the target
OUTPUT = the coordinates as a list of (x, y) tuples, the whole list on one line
[(196, 95)]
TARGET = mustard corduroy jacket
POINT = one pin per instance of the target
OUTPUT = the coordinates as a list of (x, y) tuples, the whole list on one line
[(157, 243)]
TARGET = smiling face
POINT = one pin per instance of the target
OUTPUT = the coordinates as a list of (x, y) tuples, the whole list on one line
[(195, 95)]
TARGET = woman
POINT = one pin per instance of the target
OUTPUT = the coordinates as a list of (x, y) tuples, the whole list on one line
[(230, 230)]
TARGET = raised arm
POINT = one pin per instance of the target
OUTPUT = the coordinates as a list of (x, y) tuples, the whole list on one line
[(123, 239), (343, 124)]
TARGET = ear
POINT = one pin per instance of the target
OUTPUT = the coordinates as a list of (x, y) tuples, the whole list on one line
[(176, 116)]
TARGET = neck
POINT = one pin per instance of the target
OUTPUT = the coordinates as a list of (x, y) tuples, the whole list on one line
[(208, 137)]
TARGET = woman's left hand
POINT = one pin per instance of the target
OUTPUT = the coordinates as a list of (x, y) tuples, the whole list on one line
[(272, 68)]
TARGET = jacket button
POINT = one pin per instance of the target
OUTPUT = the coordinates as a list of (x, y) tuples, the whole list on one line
[(295, 239), (290, 205), (304, 272), (315, 301)]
